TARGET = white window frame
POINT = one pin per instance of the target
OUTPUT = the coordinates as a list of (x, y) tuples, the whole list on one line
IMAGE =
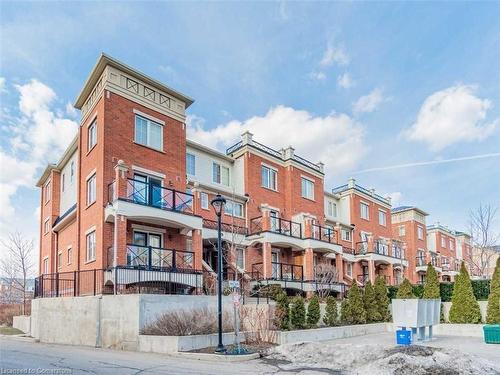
[(90, 246), (92, 135), (149, 124), (443, 242), (348, 269), (45, 266), (188, 154), (69, 255), (217, 178), (59, 259), (230, 212), (331, 208), (240, 250), (402, 230), (47, 191), (304, 182), (91, 190), (204, 201), (272, 176), (361, 205), (346, 234), (384, 216), (420, 232), (46, 226), (72, 172)]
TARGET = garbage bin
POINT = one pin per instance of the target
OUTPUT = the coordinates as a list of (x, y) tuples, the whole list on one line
[(492, 333), (403, 337)]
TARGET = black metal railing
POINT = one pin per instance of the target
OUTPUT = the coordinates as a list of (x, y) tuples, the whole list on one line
[(226, 227), (398, 251), (112, 192), (154, 258), (286, 227), (256, 225), (127, 280), (420, 261), (279, 271), (324, 234), (381, 248), (435, 261), (158, 196), (361, 247)]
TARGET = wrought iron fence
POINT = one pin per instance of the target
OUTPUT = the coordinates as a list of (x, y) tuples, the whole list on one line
[(155, 258), (280, 271), (141, 192), (226, 227), (286, 227), (363, 279), (361, 247), (420, 261), (324, 234), (256, 225)]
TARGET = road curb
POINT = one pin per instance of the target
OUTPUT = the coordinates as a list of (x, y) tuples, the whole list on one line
[(219, 357)]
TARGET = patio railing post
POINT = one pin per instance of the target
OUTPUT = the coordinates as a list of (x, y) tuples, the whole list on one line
[(57, 284), (150, 257), (95, 282), (74, 283), (174, 259)]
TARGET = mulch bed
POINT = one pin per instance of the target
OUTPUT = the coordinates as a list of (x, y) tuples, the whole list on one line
[(260, 348)]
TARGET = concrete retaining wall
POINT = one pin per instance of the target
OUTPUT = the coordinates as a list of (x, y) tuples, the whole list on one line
[(106, 321), (174, 344), (22, 323), (330, 333)]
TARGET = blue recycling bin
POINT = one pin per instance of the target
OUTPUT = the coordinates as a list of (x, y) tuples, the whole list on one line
[(403, 337)]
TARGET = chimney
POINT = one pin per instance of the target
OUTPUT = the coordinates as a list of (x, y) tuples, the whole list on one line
[(352, 182), (372, 192), (321, 166), (287, 153)]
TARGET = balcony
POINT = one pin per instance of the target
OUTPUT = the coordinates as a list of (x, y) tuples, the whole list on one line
[(142, 200), (226, 227), (323, 234), (279, 271), (153, 258), (382, 252)]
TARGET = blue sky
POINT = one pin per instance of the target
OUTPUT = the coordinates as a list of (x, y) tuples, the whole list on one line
[(359, 86)]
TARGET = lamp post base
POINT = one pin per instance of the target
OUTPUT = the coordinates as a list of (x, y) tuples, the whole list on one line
[(220, 350)]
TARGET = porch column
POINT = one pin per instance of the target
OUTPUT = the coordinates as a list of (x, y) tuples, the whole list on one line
[(120, 241), (308, 233), (121, 170), (339, 264), (371, 271), (266, 225), (337, 233), (370, 244), (390, 269), (197, 248), (266, 260), (308, 264)]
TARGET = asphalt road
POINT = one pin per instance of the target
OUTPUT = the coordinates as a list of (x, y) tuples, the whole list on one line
[(39, 358)]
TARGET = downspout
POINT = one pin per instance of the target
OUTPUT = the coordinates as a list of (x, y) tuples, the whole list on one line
[(78, 194)]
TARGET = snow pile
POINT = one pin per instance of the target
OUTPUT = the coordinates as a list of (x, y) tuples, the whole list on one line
[(377, 359)]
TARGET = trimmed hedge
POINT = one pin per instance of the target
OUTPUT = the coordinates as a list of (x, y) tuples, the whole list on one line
[(481, 290)]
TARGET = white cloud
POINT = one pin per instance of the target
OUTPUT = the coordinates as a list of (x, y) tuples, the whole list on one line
[(396, 198), (36, 137), (345, 81), (337, 139), (2, 85), (71, 111), (318, 76), (451, 116), (370, 102), (334, 55)]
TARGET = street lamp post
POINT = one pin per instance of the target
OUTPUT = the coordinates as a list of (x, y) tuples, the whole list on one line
[(218, 204)]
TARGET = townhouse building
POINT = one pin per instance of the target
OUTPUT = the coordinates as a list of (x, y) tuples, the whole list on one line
[(409, 226), (127, 208)]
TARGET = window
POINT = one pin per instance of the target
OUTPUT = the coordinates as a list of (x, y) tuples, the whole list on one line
[(220, 174), (332, 209), (190, 164), (63, 180), (59, 260), (204, 200), (346, 235), (48, 191), (420, 233), (365, 211), (70, 255), (234, 208), (92, 135), (307, 188), (240, 257), (402, 230), (443, 242), (46, 226), (452, 245), (269, 178), (91, 190), (90, 254), (72, 171), (46, 266), (148, 133), (348, 269), (382, 218)]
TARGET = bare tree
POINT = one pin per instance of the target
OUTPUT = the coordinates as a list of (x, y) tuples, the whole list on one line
[(325, 274), (17, 264), (483, 238)]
